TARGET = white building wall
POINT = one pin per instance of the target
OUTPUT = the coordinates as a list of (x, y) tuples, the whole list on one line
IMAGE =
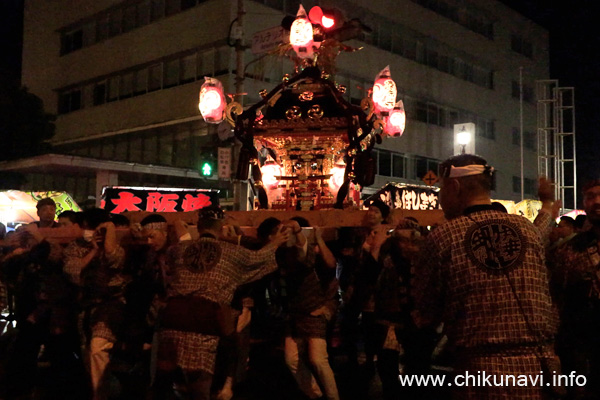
[(204, 28)]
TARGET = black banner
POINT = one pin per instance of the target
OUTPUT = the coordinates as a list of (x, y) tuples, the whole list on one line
[(407, 197)]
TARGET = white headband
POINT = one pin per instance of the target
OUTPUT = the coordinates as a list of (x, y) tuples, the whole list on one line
[(468, 170), (159, 226)]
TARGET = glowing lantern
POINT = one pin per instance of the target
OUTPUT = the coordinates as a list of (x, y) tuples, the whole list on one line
[(384, 91), (270, 171), (396, 121), (301, 35), (337, 176), (212, 101)]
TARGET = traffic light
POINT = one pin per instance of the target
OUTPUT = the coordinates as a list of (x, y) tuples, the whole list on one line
[(328, 18), (333, 24), (332, 19), (207, 168)]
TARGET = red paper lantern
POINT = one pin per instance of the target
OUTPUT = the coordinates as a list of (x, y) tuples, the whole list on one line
[(396, 121), (212, 101)]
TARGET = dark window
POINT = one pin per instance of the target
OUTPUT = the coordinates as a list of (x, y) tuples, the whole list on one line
[(443, 63), (433, 59), (452, 118), (77, 39), (141, 82), (410, 49), (432, 114), (115, 19), (529, 186), (490, 130), (468, 72), (516, 181), (113, 88), (385, 163), (171, 73), (143, 13), (102, 28), (69, 101), (529, 140), (185, 4), (75, 100), (515, 43), (516, 137), (421, 167), (515, 90), (527, 49), (452, 65), (126, 86), (385, 36), (443, 119), (277, 4), (154, 77), (71, 41), (421, 114), (172, 7), (528, 95), (99, 93), (157, 10), (129, 18), (472, 20), (521, 46), (398, 166)]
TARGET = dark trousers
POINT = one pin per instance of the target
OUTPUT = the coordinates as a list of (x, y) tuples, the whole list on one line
[(197, 384)]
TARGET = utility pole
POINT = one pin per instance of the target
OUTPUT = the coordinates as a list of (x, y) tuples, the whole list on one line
[(240, 187), (521, 131)]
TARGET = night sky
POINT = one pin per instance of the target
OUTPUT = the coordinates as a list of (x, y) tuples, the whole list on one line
[(11, 19), (574, 60)]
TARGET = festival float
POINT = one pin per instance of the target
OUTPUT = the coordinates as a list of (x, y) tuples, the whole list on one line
[(304, 146)]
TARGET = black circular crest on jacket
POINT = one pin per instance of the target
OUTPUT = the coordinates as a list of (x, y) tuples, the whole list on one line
[(495, 245), (202, 256)]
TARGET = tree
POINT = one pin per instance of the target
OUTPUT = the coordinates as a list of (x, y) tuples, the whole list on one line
[(25, 127)]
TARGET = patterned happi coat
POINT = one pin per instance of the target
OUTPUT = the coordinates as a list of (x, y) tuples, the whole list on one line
[(102, 283), (211, 269), (464, 280), (575, 268)]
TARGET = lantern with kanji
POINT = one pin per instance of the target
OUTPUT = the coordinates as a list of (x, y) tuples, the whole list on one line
[(301, 35), (212, 101), (384, 92)]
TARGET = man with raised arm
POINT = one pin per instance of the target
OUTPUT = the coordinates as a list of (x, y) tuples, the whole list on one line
[(483, 275)]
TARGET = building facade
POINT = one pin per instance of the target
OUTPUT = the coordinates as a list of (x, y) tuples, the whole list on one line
[(123, 77)]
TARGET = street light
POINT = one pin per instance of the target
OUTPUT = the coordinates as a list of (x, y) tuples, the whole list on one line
[(463, 138)]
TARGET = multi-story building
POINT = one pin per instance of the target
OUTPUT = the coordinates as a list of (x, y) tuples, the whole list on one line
[(123, 77)]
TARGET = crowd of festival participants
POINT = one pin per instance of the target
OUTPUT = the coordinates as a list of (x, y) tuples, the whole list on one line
[(161, 310)]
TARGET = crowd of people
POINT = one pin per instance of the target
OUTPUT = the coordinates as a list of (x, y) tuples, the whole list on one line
[(161, 310)]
